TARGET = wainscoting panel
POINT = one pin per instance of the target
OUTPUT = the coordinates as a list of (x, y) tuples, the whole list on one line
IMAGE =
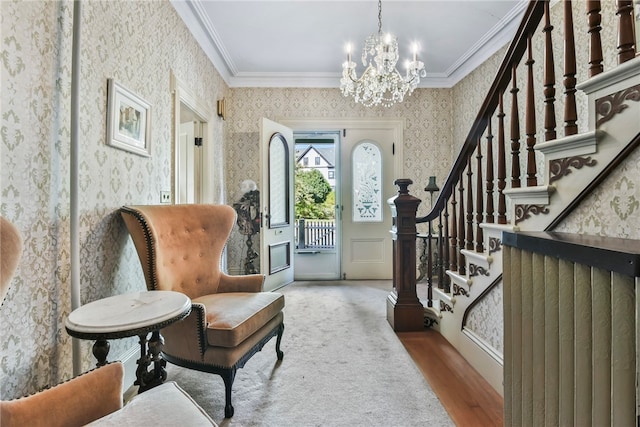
[(570, 333)]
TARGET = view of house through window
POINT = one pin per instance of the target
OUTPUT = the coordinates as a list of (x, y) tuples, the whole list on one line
[(315, 193)]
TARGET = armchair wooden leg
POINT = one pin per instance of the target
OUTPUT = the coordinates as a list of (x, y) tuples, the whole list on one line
[(278, 351), (228, 375)]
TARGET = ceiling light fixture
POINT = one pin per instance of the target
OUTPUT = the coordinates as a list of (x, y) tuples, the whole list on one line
[(381, 83)]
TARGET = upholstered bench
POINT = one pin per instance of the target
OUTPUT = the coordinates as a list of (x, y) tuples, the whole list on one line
[(164, 405), (95, 398)]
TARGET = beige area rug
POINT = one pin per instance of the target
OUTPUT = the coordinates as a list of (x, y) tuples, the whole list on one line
[(343, 366)]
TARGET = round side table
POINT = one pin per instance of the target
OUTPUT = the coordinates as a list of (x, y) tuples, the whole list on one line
[(127, 315)]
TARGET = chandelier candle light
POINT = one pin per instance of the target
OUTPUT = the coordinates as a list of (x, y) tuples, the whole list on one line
[(381, 83)]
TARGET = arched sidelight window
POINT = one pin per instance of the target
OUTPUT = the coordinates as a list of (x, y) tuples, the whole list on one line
[(366, 166)]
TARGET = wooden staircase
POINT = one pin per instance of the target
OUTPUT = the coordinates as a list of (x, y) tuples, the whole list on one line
[(462, 293)]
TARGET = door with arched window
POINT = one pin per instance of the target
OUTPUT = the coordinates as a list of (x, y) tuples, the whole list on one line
[(368, 176)]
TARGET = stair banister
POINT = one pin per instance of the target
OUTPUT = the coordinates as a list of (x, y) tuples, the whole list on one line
[(462, 165), (467, 206), (532, 16)]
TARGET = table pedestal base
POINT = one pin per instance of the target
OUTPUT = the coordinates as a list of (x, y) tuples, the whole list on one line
[(100, 351), (145, 378)]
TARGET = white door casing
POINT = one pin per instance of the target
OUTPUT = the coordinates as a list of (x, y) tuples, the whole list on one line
[(204, 181)]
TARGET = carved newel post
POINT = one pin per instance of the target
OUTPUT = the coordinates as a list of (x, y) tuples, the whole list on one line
[(404, 310)]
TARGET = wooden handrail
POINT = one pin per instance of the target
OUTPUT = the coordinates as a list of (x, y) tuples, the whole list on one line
[(531, 18), (607, 253)]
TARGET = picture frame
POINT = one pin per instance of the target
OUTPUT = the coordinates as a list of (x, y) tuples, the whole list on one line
[(128, 120)]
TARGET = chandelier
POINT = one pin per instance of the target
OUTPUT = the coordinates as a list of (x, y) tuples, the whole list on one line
[(381, 82)]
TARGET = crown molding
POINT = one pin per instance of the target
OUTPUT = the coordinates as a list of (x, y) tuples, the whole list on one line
[(203, 31)]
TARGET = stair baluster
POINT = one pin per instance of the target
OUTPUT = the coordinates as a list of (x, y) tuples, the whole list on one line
[(479, 199), (469, 232), (490, 214), (595, 43), (445, 250), (430, 257), (530, 120), (626, 40), (515, 130), (453, 245), (502, 168), (461, 235), (550, 78), (570, 110)]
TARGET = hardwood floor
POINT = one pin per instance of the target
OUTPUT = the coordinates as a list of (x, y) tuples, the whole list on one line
[(467, 397)]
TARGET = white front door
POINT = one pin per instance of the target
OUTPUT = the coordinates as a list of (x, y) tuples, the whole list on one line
[(276, 161), (367, 182)]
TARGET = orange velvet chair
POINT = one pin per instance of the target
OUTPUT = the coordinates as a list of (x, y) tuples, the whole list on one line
[(180, 249)]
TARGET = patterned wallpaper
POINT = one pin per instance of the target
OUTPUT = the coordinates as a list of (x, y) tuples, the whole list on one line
[(138, 44), (427, 134)]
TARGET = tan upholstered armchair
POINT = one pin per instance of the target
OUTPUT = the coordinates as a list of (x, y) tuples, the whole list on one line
[(180, 248)]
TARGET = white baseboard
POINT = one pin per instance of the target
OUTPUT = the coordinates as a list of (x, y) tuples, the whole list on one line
[(483, 357)]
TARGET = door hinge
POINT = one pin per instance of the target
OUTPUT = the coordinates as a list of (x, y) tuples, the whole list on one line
[(198, 141), (344, 133), (393, 148)]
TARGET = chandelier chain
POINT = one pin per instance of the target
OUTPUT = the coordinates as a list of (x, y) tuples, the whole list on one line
[(380, 17)]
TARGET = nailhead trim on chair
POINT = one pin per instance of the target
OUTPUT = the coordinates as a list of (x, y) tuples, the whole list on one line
[(201, 320), (147, 239)]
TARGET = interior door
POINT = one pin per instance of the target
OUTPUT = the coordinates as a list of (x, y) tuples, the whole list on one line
[(188, 155), (367, 179), (276, 237)]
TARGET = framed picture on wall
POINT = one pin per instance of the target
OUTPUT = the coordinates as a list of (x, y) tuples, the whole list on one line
[(128, 120)]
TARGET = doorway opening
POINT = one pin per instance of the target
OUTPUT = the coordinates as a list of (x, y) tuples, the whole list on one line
[(317, 234), (193, 166), (189, 156), (365, 246)]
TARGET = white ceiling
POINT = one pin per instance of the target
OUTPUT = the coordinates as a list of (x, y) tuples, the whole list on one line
[(301, 43)]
